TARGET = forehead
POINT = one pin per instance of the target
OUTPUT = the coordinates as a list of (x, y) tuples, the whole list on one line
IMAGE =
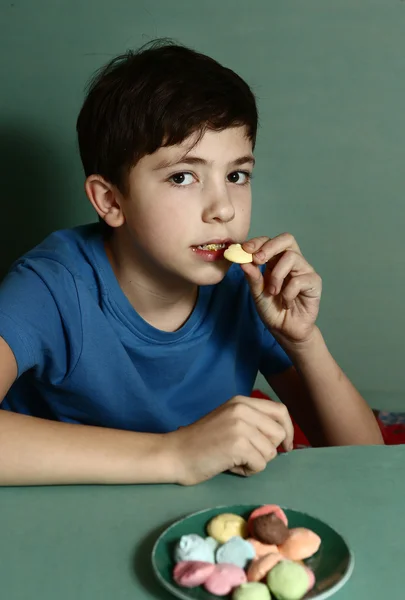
[(220, 147)]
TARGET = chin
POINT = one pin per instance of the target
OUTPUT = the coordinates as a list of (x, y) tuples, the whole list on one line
[(211, 274)]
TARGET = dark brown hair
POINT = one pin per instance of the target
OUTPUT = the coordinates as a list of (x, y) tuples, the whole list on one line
[(155, 97)]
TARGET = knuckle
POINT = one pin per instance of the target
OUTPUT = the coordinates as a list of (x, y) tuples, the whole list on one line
[(261, 464), (280, 435), (282, 409), (235, 401), (238, 410), (291, 255), (237, 398), (271, 453), (294, 284), (288, 236), (279, 438)]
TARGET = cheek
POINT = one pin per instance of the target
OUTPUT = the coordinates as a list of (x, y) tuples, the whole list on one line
[(162, 225), (243, 198), (244, 212)]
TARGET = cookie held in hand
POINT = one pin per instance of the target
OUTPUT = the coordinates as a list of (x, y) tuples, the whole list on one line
[(236, 254)]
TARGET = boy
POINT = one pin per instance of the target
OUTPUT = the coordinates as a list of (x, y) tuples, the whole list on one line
[(129, 348)]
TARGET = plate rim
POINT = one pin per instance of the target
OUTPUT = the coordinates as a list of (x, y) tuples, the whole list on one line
[(322, 596)]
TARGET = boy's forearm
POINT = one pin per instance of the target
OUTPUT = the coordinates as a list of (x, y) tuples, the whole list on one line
[(342, 413), (40, 452)]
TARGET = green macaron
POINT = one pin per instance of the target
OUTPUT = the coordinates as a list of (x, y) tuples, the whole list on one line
[(251, 591), (288, 580)]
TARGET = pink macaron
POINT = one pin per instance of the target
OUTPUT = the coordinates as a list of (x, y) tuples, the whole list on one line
[(192, 573), (311, 579), (224, 579)]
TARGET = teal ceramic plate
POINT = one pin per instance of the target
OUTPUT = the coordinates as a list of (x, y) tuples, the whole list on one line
[(332, 564)]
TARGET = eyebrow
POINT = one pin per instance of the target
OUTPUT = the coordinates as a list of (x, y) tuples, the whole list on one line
[(196, 160)]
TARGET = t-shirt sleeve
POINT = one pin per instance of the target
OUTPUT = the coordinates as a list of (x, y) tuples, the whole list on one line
[(39, 308), (274, 359)]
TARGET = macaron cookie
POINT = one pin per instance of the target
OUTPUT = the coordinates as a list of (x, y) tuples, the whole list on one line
[(224, 579), (226, 525), (269, 529), (191, 574), (235, 551), (235, 253), (251, 591), (262, 549), (289, 580), (266, 509), (301, 543), (194, 547), (311, 577), (260, 567)]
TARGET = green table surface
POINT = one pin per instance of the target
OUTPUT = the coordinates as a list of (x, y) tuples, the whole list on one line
[(94, 542)]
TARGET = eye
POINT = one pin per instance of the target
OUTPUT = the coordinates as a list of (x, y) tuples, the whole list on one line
[(239, 177), (182, 179)]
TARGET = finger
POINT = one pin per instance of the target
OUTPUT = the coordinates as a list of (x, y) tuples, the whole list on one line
[(289, 263), (263, 444), (265, 248), (239, 471), (277, 411), (250, 468), (271, 418), (254, 279), (245, 470), (271, 428), (251, 459), (308, 285), (255, 244), (255, 441), (284, 434)]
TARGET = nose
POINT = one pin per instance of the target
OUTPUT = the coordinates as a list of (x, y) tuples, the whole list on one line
[(218, 206)]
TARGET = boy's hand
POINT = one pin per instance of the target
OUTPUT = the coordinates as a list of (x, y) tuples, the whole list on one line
[(241, 436), (287, 296)]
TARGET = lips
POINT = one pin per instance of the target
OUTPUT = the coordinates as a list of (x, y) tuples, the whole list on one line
[(214, 245), (211, 251)]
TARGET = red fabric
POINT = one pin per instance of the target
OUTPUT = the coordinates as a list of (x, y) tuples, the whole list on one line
[(393, 434)]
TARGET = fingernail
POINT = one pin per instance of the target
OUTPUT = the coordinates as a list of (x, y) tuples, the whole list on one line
[(260, 255), (273, 290), (248, 245)]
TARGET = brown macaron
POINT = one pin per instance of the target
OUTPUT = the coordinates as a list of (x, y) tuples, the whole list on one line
[(269, 529)]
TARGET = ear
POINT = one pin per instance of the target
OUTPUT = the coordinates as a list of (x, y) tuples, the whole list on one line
[(106, 200)]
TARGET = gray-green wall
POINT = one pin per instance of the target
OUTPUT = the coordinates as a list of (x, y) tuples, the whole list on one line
[(330, 80)]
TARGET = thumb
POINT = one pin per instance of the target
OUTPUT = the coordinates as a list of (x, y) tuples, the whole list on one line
[(254, 278)]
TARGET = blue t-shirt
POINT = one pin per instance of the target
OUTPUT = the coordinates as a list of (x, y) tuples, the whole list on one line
[(84, 354)]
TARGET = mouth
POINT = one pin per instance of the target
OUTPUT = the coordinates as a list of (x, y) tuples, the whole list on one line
[(214, 245), (211, 251)]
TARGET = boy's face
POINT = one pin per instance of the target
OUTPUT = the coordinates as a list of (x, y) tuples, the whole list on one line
[(182, 198)]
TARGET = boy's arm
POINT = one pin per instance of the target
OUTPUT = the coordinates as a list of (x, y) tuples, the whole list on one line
[(40, 452), (241, 435), (321, 398), (287, 295)]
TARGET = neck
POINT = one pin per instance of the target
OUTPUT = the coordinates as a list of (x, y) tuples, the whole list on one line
[(161, 299)]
